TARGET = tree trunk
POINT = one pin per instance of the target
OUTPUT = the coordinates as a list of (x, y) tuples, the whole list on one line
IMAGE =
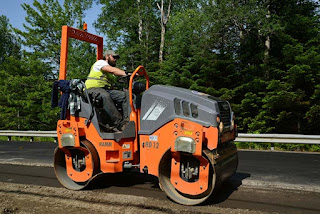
[(267, 43), (163, 32), (163, 23), (140, 22)]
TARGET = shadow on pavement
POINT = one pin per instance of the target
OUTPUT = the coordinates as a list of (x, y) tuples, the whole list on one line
[(123, 180), (133, 179), (227, 188)]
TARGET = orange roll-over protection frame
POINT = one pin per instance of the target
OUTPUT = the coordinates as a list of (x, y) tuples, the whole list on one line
[(70, 32)]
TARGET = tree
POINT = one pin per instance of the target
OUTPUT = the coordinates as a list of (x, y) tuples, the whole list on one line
[(164, 18), (8, 41), (261, 55), (24, 95), (42, 34), (131, 28), (293, 75), (26, 83)]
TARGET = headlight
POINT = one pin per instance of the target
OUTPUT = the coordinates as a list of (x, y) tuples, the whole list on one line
[(232, 121), (185, 144), (67, 140), (221, 127)]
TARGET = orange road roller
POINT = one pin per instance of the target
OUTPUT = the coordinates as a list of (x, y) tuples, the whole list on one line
[(183, 137)]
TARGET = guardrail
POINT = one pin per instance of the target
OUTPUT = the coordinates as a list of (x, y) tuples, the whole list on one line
[(279, 138), (31, 134), (242, 137)]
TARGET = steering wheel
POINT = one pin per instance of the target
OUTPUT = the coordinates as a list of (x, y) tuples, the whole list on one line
[(124, 79)]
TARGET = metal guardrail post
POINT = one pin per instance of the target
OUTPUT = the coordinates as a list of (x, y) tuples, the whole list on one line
[(272, 147)]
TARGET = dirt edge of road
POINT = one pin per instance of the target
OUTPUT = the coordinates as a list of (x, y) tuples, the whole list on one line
[(19, 198)]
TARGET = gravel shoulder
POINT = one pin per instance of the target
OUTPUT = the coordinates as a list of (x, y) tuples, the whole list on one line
[(19, 198)]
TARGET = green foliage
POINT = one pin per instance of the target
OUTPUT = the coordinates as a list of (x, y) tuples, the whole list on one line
[(8, 41), (25, 101), (119, 20), (219, 47), (279, 147), (27, 77), (78, 68), (42, 33)]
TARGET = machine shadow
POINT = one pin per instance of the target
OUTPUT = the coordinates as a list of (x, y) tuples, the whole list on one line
[(129, 179), (125, 179), (226, 189)]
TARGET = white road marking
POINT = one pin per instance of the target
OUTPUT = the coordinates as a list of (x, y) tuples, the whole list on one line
[(11, 159)]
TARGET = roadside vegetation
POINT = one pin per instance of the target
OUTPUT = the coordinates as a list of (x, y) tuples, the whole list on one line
[(262, 56), (279, 147)]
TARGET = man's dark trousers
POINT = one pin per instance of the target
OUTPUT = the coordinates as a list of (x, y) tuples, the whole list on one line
[(109, 98)]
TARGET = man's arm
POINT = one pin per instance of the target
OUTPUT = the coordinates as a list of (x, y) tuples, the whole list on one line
[(113, 70)]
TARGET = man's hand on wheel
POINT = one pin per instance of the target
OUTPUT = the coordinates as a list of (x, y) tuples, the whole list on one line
[(130, 73)]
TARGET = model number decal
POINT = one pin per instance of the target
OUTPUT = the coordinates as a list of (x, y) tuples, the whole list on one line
[(151, 145)]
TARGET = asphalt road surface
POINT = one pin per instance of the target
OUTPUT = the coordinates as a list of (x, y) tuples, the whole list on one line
[(279, 182)]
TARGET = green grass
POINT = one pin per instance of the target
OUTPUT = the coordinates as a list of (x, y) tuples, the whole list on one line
[(279, 146), (35, 139)]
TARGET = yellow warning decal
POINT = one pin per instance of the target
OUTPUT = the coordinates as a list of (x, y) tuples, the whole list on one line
[(188, 132)]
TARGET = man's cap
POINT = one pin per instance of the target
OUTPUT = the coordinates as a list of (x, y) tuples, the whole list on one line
[(111, 52)]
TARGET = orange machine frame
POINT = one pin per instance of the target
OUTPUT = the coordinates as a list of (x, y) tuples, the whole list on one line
[(70, 32)]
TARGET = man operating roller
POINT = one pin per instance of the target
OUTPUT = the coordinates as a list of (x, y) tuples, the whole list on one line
[(100, 83)]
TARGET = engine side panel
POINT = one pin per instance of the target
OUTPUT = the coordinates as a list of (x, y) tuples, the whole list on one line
[(153, 147)]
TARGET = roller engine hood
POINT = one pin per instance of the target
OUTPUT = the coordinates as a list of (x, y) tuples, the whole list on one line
[(161, 104)]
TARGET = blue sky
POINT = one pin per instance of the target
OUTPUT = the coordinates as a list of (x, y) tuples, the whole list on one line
[(14, 12)]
